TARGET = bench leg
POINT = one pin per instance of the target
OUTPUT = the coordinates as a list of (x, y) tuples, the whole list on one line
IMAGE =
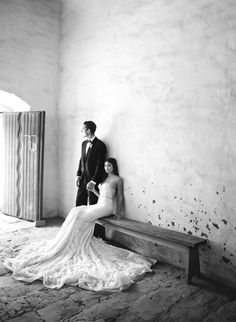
[(108, 231), (192, 264)]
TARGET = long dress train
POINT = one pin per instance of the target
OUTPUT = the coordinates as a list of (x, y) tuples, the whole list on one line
[(76, 257)]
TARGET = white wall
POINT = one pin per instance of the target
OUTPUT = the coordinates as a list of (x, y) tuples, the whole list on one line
[(29, 68), (158, 78)]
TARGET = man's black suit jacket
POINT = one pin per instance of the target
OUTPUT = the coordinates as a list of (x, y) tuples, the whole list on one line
[(91, 165)]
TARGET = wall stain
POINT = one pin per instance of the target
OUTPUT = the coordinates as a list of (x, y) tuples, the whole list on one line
[(154, 201), (207, 226), (224, 221), (225, 259), (189, 232), (204, 235), (215, 225), (172, 223)]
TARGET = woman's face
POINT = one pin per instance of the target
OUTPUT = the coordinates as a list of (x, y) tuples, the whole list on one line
[(108, 167)]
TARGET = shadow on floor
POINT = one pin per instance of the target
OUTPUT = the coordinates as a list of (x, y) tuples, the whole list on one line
[(207, 284), (53, 222)]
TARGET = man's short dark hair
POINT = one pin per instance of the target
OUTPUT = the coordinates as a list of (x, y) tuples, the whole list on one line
[(91, 126)]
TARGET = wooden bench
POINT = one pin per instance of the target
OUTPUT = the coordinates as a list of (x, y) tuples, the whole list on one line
[(165, 245)]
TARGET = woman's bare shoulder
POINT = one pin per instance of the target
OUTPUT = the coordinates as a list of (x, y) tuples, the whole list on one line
[(118, 179)]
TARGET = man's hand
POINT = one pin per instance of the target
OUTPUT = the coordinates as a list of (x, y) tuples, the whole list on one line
[(90, 185), (78, 181)]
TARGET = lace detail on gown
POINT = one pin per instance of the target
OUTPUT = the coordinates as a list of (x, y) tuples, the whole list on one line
[(76, 257)]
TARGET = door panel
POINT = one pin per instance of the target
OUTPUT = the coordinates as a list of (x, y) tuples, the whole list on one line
[(11, 128), (24, 147)]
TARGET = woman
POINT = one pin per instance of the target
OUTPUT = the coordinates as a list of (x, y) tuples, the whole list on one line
[(75, 256), (112, 177)]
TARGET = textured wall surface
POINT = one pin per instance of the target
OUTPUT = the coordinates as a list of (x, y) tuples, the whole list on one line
[(158, 78), (29, 68)]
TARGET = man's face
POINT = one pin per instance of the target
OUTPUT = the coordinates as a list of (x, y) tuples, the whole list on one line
[(85, 131)]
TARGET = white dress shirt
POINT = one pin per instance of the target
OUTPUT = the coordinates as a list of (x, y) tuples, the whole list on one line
[(89, 144)]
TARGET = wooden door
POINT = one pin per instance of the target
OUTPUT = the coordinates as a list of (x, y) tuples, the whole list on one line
[(24, 151)]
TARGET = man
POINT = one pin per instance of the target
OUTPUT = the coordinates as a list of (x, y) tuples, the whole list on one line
[(91, 165)]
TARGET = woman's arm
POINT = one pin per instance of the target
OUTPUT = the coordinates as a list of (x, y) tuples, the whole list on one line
[(120, 199), (94, 191)]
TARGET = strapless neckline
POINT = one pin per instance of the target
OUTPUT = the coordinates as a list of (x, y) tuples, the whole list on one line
[(107, 183)]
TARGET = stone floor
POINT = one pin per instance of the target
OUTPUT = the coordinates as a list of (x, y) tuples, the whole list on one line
[(160, 296)]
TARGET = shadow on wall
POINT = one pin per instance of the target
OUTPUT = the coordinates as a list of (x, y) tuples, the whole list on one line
[(115, 136), (9, 102)]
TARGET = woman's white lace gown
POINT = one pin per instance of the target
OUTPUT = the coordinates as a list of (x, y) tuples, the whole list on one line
[(76, 257)]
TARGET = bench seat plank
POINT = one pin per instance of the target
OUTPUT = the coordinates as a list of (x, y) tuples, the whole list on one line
[(163, 233)]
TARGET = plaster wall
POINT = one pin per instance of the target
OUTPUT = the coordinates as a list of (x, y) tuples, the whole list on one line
[(158, 78), (29, 69)]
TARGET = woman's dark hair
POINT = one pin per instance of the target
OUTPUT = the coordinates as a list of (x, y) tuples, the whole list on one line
[(91, 126)]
